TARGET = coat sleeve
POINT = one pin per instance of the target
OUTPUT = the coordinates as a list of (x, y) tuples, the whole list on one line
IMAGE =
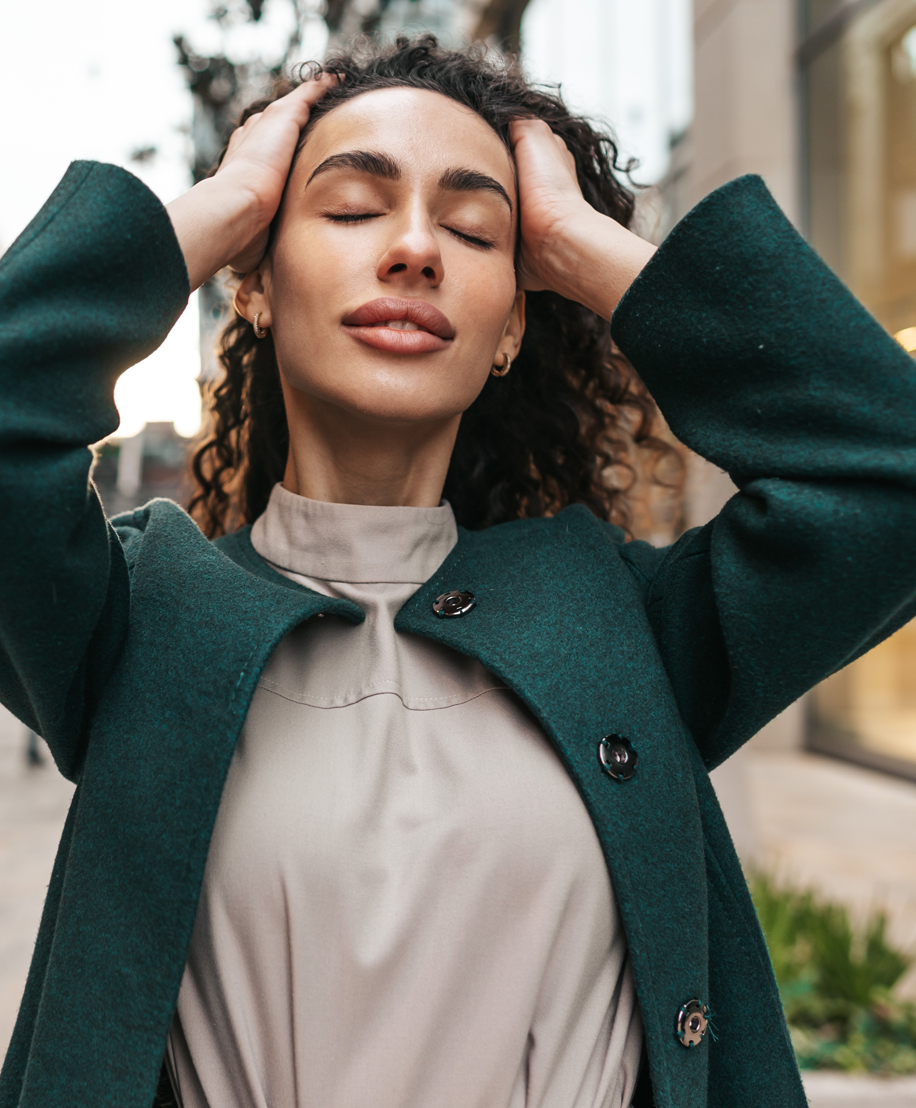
[(92, 286), (765, 364)]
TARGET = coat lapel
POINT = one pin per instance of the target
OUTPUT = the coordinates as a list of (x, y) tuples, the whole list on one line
[(203, 626), (559, 620)]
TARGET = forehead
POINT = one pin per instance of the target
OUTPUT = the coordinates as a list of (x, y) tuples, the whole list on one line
[(422, 130)]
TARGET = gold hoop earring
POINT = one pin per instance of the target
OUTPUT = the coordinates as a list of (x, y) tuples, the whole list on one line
[(259, 333), (501, 371)]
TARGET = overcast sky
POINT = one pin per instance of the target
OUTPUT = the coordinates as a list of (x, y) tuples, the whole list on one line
[(99, 80)]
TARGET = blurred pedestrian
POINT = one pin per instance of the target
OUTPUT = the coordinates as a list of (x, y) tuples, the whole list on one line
[(33, 755)]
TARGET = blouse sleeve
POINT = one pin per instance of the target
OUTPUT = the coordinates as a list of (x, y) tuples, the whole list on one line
[(92, 286), (765, 364)]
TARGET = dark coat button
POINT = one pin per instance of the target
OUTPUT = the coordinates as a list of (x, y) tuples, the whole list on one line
[(617, 757), (692, 1022), (454, 603)]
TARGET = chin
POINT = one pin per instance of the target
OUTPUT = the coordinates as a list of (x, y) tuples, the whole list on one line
[(389, 399), (400, 406), (393, 395)]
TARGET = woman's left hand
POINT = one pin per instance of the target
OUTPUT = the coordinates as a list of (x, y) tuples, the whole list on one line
[(567, 246)]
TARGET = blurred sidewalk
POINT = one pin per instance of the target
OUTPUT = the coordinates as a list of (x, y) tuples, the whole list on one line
[(33, 805), (811, 820), (849, 831), (834, 1090)]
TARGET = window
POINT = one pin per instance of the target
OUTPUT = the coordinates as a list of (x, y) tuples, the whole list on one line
[(859, 78)]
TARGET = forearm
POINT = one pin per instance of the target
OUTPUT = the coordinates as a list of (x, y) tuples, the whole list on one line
[(764, 363), (90, 287), (760, 359)]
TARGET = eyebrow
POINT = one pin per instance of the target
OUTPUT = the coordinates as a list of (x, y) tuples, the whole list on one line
[(381, 165), (364, 161), (469, 180)]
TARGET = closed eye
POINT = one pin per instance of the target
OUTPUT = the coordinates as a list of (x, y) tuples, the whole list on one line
[(361, 217), (351, 217), (485, 243)]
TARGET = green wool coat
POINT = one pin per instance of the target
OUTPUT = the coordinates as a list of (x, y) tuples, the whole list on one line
[(134, 646)]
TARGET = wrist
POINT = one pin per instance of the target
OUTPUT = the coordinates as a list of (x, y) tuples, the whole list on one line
[(212, 222), (595, 260)]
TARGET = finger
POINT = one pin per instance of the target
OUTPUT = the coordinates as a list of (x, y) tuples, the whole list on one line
[(299, 102), (566, 154), (242, 132), (325, 81), (236, 139), (249, 124), (528, 128), (543, 148)]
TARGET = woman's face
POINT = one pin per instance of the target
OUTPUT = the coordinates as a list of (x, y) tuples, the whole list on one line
[(390, 287)]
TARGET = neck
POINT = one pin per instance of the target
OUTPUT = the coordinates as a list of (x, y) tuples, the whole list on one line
[(345, 458)]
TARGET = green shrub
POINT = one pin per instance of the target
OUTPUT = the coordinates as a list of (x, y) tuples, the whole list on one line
[(836, 982)]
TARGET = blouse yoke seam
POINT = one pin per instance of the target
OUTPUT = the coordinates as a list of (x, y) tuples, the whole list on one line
[(308, 699)]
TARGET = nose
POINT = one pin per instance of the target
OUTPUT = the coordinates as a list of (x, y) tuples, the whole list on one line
[(413, 256)]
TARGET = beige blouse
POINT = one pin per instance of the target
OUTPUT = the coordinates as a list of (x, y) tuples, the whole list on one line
[(405, 904)]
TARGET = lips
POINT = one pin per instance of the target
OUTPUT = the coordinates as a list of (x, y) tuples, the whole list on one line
[(400, 326)]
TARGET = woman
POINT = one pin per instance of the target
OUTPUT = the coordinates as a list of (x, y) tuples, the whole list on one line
[(453, 842)]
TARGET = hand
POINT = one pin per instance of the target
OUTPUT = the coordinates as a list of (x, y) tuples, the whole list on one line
[(567, 246), (225, 219), (550, 199)]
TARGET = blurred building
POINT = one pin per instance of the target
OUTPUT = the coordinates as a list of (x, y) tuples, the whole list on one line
[(131, 471), (624, 62), (819, 97)]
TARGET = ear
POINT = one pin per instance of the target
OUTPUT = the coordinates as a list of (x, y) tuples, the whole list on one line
[(511, 341), (252, 297)]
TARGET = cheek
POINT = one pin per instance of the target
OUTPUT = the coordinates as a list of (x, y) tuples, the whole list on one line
[(483, 291), (305, 284)]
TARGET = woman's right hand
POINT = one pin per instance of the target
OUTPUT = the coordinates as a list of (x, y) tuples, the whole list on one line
[(225, 219), (567, 246)]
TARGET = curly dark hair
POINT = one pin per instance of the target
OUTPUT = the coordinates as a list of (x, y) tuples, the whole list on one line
[(560, 429)]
